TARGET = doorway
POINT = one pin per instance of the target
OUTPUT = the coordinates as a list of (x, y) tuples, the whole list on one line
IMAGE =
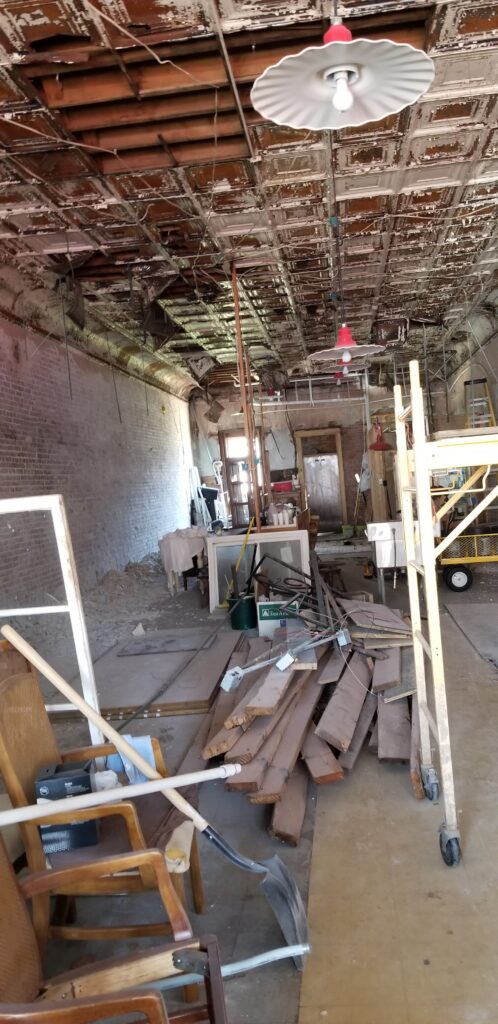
[(234, 452), (321, 475)]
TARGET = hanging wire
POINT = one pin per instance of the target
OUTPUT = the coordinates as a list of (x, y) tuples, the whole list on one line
[(114, 381), (335, 229), (145, 382), (66, 345)]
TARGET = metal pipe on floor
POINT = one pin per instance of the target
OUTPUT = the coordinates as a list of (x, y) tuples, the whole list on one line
[(231, 970)]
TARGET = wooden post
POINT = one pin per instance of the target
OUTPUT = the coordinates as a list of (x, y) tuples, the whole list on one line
[(246, 408)]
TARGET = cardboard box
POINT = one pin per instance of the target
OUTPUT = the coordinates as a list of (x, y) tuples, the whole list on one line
[(56, 782), (271, 615)]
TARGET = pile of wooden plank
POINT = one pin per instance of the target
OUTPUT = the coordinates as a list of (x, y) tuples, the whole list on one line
[(285, 727)]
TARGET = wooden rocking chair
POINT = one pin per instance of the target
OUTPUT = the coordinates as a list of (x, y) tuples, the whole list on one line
[(28, 742), (103, 991)]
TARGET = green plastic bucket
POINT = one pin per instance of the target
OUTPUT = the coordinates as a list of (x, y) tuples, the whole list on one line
[(244, 615)]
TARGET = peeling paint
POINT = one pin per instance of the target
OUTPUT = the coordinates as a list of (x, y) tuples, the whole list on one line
[(413, 221)]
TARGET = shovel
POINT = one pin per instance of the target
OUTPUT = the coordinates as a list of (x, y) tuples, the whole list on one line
[(278, 885)]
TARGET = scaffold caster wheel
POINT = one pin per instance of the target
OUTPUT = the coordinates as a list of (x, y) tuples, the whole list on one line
[(430, 783), (450, 850), (431, 790)]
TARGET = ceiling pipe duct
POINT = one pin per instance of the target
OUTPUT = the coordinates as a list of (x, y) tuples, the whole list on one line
[(40, 309)]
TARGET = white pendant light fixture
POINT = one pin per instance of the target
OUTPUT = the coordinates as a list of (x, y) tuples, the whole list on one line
[(346, 350), (343, 83)]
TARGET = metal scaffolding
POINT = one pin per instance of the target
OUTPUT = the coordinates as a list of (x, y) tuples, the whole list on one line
[(415, 467)]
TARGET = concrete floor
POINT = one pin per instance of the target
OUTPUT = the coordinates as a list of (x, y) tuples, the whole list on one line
[(397, 936)]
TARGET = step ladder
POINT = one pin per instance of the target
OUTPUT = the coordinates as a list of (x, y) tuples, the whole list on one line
[(478, 404), (416, 467)]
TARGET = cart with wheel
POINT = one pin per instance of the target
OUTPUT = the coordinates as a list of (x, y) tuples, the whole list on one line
[(473, 548)]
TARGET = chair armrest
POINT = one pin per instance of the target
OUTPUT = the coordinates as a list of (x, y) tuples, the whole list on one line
[(107, 749), (86, 1011), (88, 753), (158, 757), (48, 881)]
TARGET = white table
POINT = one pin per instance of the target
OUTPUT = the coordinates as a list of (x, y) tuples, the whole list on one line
[(178, 548)]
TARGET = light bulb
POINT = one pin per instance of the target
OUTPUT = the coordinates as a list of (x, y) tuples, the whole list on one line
[(342, 97), (346, 356), (345, 370)]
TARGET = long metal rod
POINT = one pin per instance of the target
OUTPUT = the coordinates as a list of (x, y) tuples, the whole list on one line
[(245, 404), (403, 471), (50, 808), (231, 970), (424, 515)]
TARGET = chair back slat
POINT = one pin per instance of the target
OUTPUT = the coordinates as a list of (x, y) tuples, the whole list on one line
[(20, 966), (27, 740)]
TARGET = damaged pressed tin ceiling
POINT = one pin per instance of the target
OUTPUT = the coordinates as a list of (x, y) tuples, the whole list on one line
[(133, 171)]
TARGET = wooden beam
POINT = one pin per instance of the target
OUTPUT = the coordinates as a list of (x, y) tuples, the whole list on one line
[(387, 673), (153, 79), (260, 728), (338, 722), (175, 44), (184, 155), (289, 813), (289, 747), (394, 731), (332, 668), (161, 108), (348, 758), (373, 743), (174, 131), (226, 699), (196, 684), (251, 777), (321, 763), (374, 616), (271, 691)]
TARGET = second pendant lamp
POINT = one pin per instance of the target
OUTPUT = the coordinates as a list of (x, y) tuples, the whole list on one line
[(346, 349)]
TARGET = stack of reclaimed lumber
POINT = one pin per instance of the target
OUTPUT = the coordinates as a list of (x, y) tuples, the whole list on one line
[(285, 727)]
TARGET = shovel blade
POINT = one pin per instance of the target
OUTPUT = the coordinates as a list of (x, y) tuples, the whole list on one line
[(286, 902)]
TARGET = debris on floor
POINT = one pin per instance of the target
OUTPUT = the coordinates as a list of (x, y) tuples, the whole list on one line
[(284, 725)]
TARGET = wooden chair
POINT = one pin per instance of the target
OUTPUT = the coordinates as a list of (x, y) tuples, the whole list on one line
[(27, 742), (100, 991)]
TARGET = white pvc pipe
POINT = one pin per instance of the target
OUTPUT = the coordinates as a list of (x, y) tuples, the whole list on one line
[(34, 812)]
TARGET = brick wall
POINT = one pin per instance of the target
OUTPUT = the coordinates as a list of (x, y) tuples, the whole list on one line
[(117, 453)]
